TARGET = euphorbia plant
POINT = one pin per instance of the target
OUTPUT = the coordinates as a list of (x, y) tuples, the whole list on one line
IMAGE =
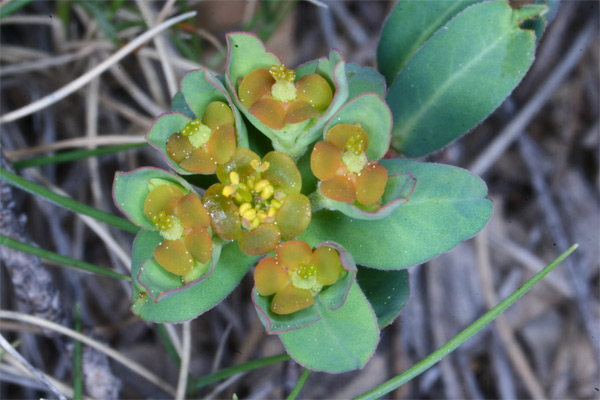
[(323, 210)]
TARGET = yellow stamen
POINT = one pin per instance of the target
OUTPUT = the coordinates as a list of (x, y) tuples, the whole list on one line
[(228, 190), (255, 223), (249, 214), (261, 185), (280, 72), (276, 204), (267, 192), (234, 178), (245, 207)]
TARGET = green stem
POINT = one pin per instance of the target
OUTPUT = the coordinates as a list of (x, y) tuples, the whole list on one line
[(249, 366), (77, 371), (299, 385), (13, 6), (162, 332), (58, 258), (67, 202), (69, 156), (472, 329)]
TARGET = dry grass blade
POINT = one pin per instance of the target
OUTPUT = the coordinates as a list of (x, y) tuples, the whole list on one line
[(87, 77), (37, 374), (132, 365), (185, 361)]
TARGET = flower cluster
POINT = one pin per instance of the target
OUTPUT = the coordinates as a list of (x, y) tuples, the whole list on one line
[(260, 200)]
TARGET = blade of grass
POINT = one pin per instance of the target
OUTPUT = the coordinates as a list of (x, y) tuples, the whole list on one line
[(249, 366), (59, 258), (14, 344), (77, 372), (299, 385), (66, 202), (69, 156), (459, 339), (13, 6)]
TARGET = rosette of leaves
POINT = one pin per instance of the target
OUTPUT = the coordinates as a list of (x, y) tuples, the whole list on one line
[(289, 107)]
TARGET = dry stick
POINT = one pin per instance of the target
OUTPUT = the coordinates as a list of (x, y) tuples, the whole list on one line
[(138, 95), (532, 262), (132, 365), (47, 62), (161, 46), (152, 80), (497, 148), (185, 361), (37, 374), (93, 224), (174, 338), (17, 370), (164, 11), (559, 235), (223, 386), (58, 33), (126, 111), (91, 123), (515, 354), (87, 77), (104, 140), (350, 24), (219, 354)]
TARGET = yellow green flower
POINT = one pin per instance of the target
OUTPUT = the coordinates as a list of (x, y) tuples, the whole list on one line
[(276, 98), (205, 143), (258, 202), (183, 222), (342, 165), (296, 274)]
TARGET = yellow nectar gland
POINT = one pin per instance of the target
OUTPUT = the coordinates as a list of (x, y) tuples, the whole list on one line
[(254, 196), (354, 156), (283, 89), (197, 133), (305, 277), (169, 226)]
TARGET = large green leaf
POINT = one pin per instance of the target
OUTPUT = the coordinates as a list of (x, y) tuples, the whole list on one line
[(387, 292), (447, 206), (195, 299), (460, 76), (409, 25), (342, 340), (364, 79)]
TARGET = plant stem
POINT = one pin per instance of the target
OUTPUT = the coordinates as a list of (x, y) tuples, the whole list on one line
[(299, 385), (249, 366), (59, 258), (73, 155), (459, 339), (66, 202), (77, 357)]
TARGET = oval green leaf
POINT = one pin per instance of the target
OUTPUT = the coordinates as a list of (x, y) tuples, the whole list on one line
[(195, 299), (342, 340), (364, 79), (459, 77), (409, 25), (387, 292), (448, 205)]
